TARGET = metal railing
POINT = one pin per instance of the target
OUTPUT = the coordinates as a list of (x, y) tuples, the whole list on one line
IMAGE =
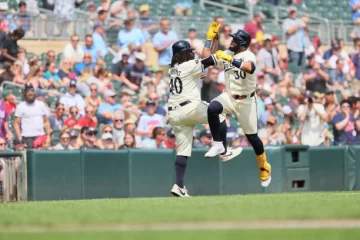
[(14, 182)]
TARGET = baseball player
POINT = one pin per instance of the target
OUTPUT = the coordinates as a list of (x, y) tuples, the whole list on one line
[(238, 98), (186, 108)]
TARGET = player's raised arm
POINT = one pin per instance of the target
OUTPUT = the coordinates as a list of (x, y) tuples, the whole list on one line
[(210, 35)]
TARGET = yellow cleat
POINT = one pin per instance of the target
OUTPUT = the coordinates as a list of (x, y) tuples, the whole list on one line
[(264, 170)]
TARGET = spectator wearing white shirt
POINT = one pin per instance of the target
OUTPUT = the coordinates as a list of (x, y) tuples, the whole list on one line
[(195, 43), (157, 140), (73, 50), (64, 143), (32, 116), (71, 98)]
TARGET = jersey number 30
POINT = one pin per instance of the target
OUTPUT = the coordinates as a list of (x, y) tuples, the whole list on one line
[(240, 74), (175, 85)]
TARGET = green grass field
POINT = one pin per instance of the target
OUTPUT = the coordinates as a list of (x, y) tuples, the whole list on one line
[(221, 217)]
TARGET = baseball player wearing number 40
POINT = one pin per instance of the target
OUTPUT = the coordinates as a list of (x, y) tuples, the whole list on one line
[(238, 98), (186, 109)]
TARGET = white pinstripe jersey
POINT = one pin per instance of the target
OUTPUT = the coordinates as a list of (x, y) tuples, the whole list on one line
[(184, 81), (238, 82)]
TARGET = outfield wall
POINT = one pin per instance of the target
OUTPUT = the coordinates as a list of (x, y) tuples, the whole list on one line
[(150, 173)]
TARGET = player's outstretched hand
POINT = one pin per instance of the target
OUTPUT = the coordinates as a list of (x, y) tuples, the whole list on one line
[(222, 55), (212, 31)]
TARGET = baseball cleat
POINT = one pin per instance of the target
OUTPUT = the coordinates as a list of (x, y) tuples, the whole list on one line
[(179, 192), (264, 170), (216, 149), (230, 154)]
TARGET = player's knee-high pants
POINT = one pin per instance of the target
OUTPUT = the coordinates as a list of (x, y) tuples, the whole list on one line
[(183, 119), (244, 109)]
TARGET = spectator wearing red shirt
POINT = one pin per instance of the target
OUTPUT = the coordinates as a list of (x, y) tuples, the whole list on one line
[(73, 119), (170, 141), (254, 26), (10, 103), (89, 120)]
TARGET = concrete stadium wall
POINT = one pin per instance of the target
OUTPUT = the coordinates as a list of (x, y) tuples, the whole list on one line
[(94, 174)]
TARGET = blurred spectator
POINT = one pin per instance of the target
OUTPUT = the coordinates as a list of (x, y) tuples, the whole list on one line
[(64, 11), (10, 103), (205, 139), (355, 33), (133, 75), (4, 122), (356, 80), (312, 115), (119, 66), (336, 54), (315, 76), (71, 98), (66, 72), (23, 19), (162, 42), (83, 137), (354, 107), (254, 46), (344, 126), (195, 43), (119, 9), (356, 47), (118, 126), (99, 41), (89, 47), (275, 44), (50, 56), (36, 78), (90, 139), (269, 111), (91, 9), (159, 81), (129, 141), (209, 89), (262, 95), (147, 24), (107, 108), (355, 9), (64, 142), (32, 115), (254, 27), (106, 141), (8, 72), (270, 135), (330, 105), (267, 61), (18, 146), (130, 127), (21, 56), (54, 80), (102, 80), (150, 121), (157, 139), (225, 39), (170, 141), (10, 47), (93, 100), (18, 72), (73, 49), (159, 109), (57, 119), (183, 7), (294, 29), (86, 63), (316, 50), (74, 139), (89, 120), (125, 103), (73, 119), (262, 83), (130, 34), (337, 76)]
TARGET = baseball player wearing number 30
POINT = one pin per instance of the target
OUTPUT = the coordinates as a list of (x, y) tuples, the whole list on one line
[(238, 98), (186, 108)]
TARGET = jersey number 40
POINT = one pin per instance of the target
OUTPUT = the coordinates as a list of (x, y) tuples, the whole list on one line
[(175, 85)]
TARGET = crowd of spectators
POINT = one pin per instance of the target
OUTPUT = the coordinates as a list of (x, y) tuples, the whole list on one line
[(304, 95)]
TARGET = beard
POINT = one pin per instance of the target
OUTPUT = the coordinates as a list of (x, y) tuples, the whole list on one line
[(30, 99)]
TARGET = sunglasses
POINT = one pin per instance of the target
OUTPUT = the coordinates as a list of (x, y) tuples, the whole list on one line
[(113, 96), (61, 109), (74, 112), (87, 57), (29, 90), (118, 120), (91, 134), (2, 144), (65, 138), (109, 131)]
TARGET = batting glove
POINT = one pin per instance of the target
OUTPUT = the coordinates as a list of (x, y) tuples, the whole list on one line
[(212, 31), (221, 55)]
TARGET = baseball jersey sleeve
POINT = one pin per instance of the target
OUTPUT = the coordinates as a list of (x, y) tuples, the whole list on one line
[(250, 57), (194, 66)]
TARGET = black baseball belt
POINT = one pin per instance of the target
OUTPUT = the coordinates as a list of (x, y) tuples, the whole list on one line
[(239, 97), (181, 105)]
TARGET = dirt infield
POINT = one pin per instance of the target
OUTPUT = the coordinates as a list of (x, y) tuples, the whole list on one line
[(283, 224)]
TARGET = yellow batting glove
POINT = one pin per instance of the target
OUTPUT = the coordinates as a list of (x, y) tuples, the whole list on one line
[(212, 31), (221, 55)]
